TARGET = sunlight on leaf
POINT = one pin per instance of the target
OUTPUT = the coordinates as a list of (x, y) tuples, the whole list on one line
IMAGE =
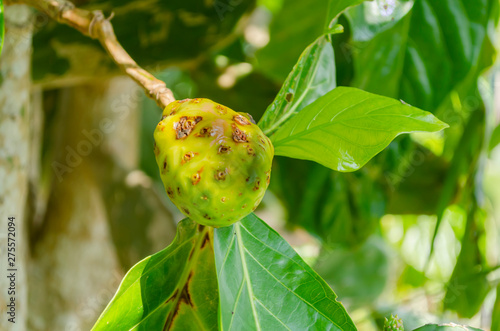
[(174, 289), (311, 77), (265, 285), (347, 127)]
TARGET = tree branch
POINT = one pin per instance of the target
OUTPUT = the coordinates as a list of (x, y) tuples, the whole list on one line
[(96, 26)]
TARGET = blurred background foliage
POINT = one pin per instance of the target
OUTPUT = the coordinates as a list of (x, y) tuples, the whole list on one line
[(415, 232)]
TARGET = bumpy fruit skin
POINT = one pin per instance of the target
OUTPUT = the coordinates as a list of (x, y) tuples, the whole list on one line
[(215, 163), (393, 324)]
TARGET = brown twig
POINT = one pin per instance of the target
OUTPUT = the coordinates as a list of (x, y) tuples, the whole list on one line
[(96, 26)]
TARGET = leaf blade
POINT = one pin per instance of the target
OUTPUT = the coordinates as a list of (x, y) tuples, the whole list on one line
[(156, 293), (312, 76), (361, 124), (252, 255)]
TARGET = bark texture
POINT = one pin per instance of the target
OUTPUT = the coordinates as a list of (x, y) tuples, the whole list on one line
[(103, 214), (15, 121)]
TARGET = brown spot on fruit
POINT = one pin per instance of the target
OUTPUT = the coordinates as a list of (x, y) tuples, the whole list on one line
[(257, 185), (221, 174), (188, 156), (157, 151), (204, 197), (197, 177), (204, 132), (222, 110), (268, 178), (224, 149), (179, 191), (195, 100), (172, 113), (185, 126), (186, 210), (207, 217), (163, 117), (223, 199), (244, 206), (165, 166), (238, 135), (250, 151), (170, 192), (241, 120)]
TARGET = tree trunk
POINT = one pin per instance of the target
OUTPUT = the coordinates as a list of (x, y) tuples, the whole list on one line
[(102, 215), (15, 122)]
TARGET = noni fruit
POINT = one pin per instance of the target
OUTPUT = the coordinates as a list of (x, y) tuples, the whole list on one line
[(215, 163)]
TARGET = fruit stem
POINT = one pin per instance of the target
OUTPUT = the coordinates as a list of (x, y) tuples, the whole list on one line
[(96, 26)]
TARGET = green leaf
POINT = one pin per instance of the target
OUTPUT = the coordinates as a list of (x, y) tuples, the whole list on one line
[(495, 138), (446, 327), (336, 7), (495, 323), (468, 285), (174, 289), (346, 127), (431, 51), (465, 159), (297, 25), (311, 77), (265, 285), (2, 27)]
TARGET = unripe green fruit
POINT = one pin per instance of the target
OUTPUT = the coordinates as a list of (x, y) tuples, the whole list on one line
[(215, 163)]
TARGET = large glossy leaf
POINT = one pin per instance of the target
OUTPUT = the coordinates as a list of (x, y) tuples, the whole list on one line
[(312, 76), (297, 25), (446, 327), (265, 285), (336, 7), (468, 285), (174, 289), (426, 55), (346, 127), (188, 29), (464, 161)]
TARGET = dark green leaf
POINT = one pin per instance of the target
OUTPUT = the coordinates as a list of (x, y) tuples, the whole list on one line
[(428, 53), (495, 323), (463, 164), (311, 77), (146, 29), (336, 7), (446, 327), (174, 289), (346, 127), (265, 285), (297, 25), (468, 285), (495, 138)]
